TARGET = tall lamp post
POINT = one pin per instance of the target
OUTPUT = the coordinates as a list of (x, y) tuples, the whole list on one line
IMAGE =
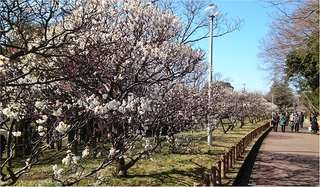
[(211, 12), (272, 108)]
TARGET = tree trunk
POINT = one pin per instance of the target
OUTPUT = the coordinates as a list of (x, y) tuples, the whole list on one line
[(27, 137), (9, 143), (18, 140), (121, 170)]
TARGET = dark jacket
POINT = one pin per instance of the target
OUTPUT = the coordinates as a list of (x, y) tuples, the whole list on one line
[(296, 119), (275, 118), (314, 123), (301, 118), (313, 119)]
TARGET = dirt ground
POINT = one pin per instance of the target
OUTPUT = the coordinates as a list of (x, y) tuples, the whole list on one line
[(288, 159)]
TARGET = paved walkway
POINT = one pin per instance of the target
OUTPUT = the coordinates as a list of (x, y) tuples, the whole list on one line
[(287, 159)]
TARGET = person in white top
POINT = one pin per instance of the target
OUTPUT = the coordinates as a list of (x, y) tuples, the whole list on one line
[(291, 122)]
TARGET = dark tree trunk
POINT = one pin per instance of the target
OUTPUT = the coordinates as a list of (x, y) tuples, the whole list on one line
[(19, 142)]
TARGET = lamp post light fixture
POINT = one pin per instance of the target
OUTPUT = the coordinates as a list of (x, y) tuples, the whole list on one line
[(211, 11)]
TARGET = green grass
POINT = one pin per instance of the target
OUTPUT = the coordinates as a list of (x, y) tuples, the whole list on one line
[(161, 169)]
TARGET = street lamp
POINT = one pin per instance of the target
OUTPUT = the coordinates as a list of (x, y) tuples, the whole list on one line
[(211, 12)]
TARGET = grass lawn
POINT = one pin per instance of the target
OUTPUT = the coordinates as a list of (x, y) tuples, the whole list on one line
[(160, 169)]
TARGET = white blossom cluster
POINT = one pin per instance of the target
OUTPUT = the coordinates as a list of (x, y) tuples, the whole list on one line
[(42, 130), (62, 127), (85, 152), (16, 134), (70, 159), (43, 120), (10, 112), (103, 109), (147, 144), (57, 172)]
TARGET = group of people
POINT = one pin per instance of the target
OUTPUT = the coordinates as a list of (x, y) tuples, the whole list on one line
[(295, 120)]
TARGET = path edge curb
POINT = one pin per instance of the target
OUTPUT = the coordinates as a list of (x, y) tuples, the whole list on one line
[(251, 154)]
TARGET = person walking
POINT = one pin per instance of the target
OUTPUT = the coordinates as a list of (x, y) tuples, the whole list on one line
[(287, 116), (301, 119), (283, 121), (275, 119), (312, 117), (296, 122), (291, 118), (314, 124)]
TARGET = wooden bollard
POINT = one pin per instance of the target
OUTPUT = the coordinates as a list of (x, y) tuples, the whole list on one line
[(235, 151), (243, 147), (213, 175), (227, 161), (245, 141), (218, 164), (238, 149), (223, 166), (206, 179), (234, 154), (231, 157)]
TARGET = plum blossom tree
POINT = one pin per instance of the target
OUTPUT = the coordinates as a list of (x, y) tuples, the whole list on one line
[(95, 65), (77, 66)]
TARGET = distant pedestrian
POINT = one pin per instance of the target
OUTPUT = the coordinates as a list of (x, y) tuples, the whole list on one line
[(301, 119), (275, 119), (314, 124), (283, 121), (296, 122), (291, 118), (287, 116)]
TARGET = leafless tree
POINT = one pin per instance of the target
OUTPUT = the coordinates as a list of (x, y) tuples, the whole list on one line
[(294, 22), (192, 14)]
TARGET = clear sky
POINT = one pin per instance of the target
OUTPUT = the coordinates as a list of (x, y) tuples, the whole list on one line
[(235, 54)]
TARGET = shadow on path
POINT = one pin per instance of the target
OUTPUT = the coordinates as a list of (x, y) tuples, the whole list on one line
[(289, 169)]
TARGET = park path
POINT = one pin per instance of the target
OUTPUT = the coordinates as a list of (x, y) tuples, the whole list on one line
[(287, 159)]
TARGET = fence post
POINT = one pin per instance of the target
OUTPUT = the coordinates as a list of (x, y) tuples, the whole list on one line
[(243, 146), (206, 179), (223, 166), (231, 156), (234, 154), (227, 161), (219, 171), (247, 140), (213, 175), (238, 148)]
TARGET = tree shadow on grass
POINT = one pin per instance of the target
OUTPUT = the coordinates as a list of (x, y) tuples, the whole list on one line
[(174, 176)]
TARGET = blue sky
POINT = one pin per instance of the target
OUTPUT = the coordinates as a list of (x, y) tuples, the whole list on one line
[(235, 54)]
